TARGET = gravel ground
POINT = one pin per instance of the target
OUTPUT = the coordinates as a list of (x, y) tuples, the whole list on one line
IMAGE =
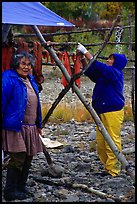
[(77, 159)]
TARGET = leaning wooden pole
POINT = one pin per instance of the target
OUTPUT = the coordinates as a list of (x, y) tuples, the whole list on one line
[(5, 31), (93, 113), (132, 70)]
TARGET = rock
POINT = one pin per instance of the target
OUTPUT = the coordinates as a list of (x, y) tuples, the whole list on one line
[(68, 148), (63, 193), (72, 198), (55, 170)]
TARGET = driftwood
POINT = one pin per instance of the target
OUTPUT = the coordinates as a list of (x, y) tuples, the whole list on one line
[(87, 105), (92, 190), (75, 186)]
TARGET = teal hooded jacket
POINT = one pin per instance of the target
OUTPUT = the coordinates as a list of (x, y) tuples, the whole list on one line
[(109, 84)]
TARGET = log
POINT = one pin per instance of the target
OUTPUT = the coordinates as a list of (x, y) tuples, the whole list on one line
[(75, 186), (96, 192)]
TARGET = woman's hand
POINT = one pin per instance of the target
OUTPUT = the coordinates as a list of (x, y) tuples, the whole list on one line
[(82, 49)]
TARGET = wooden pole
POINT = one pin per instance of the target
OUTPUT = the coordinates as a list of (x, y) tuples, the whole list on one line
[(68, 33), (132, 70), (96, 118), (5, 31)]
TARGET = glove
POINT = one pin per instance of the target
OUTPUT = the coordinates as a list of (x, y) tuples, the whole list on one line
[(81, 48)]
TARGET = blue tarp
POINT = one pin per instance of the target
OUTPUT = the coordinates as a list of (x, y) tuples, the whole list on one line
[(31, 13)]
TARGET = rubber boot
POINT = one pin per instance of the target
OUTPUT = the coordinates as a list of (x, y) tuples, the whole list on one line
[(10, 190), (23, 181), (24, 176)]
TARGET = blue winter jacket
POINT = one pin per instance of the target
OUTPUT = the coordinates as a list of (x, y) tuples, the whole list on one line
[(108, 91), (14, 101)]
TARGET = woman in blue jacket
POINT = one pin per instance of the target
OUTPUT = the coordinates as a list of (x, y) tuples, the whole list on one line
[(21, 123), (108, 101)]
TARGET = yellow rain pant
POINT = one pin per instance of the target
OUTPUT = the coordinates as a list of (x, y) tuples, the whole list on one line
[(112, 121)]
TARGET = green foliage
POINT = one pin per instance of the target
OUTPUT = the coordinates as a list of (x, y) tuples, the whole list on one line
[(127, 8), (88, 10), (107, 10), (68, 9)]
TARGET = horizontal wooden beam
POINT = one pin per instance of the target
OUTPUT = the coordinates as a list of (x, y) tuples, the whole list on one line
[(70, 32)]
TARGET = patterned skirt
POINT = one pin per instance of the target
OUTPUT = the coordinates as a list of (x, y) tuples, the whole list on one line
[(27, 140)]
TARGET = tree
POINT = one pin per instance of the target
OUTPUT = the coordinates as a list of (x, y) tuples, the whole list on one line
[(91, 10), (107, 10), (68, 10)]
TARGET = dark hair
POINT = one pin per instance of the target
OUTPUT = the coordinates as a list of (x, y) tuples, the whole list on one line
[(111, 56), (17, 57)]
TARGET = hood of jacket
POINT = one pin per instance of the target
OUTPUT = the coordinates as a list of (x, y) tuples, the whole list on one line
[(120, 61)]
